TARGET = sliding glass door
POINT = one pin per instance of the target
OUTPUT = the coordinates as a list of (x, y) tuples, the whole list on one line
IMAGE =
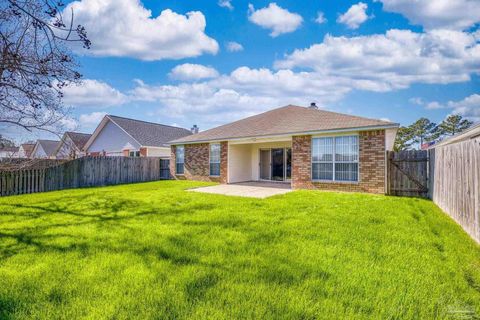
[(278, 170), (288, 163), (276, 164), (265, 164)]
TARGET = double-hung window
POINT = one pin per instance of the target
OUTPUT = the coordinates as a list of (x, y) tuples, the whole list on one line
[(215, 159), (179, 159), (335, 158)]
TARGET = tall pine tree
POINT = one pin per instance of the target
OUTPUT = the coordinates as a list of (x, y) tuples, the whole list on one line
[(403, 139), (423, 130), (453, 124)]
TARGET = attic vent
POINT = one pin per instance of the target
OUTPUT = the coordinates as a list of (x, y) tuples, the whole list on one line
[(313, 105), (194, 129)]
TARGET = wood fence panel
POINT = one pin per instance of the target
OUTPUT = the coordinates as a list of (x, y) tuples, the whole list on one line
[(407, 173), (82, 172), (456, 183)]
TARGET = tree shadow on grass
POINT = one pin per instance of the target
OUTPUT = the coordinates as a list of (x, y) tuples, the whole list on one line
[(108, 212), (7, 307)]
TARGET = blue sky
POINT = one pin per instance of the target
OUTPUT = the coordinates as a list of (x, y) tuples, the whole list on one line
[(170, 62)]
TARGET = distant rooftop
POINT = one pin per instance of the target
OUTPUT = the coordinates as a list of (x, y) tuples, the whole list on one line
[(148, 133), (79, 139)]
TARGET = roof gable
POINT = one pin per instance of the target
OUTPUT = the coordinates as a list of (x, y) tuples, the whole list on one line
[(27, 149), (78, 139), (286, 120), (48, 146), (148, 133), (70, 139)]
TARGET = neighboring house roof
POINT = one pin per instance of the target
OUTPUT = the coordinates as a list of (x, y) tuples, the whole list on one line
[(147, 134), (79, 139), (471, 133), (49, 146), (9, 149), (286, 120), (28, 148)]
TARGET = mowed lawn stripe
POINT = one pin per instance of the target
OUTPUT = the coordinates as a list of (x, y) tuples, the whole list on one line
[(155, 251)]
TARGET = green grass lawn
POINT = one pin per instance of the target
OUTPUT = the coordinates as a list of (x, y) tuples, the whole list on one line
[(155, 251)]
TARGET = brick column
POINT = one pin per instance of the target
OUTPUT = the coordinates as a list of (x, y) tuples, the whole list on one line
[(301, 162), (372, 161), (224, 162), (126, 152), (143, 152)]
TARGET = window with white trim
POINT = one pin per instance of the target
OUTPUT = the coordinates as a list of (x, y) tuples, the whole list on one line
[(335, 158), (179, 159), (215, 159)]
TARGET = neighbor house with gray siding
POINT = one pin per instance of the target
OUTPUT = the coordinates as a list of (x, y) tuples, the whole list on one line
[(119, 136)]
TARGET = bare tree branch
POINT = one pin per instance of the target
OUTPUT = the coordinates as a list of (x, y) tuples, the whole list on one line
[(35, 63)]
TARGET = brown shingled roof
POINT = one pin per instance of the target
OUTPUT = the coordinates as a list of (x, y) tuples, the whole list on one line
[(28, 148), (285, 120), (79, 139)]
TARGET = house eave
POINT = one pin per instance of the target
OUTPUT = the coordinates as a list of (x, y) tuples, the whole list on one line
[(289, 134)]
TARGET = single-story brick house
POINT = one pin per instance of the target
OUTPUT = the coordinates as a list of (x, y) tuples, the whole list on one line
[(306, 147), (119, 136)]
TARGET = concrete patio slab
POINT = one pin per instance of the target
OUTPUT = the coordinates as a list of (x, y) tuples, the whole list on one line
[(250, 189)]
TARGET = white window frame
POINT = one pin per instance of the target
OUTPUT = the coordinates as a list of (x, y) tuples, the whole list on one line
[(176, 160), (136, 153), (334, 161), (210, 159)]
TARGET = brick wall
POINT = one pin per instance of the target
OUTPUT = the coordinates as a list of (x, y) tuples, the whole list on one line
[(371, 166), (143, 152), (197, 165)]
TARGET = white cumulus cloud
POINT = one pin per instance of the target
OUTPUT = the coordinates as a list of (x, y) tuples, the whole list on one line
[(92, 93), (275, 18), (320, 18), (91, 119), (393, 60), (189, 71), (241, 93), (233, 46), (68, 123), (125, 28), (355, 16), (468, 107), (435, 14), (226, 4)]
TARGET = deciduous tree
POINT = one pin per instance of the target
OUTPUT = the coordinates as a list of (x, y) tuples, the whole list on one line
[(35, 63)]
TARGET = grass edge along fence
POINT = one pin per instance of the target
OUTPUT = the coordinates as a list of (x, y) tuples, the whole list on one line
[(82, 172)]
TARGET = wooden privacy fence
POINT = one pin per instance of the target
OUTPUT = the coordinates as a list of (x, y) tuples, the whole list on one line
[(455, 183), (448, 174), (82, 172), (407, 173)]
